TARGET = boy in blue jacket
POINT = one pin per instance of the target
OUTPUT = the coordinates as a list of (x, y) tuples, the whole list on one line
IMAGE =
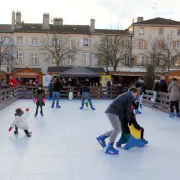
[(117, 112)]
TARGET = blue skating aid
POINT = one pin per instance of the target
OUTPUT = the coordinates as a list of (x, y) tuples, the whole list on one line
[(93, 108), (133, 142)]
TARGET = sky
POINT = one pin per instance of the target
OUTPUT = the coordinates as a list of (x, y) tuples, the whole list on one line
[(111, 14)]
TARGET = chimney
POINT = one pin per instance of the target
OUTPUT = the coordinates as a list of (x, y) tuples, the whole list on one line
[(18, 19), (92, 25), (13, 20), (46, 21), (58, 21), (140, 19)]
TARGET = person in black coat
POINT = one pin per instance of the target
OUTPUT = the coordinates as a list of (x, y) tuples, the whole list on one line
[(118, 111), (85, 94), (163, 85), (56, 92), (141, 86)]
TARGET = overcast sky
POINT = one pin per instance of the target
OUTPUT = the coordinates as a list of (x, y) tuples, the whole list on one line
[(116, 14)]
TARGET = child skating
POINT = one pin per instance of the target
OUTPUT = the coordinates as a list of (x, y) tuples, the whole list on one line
[(39, 99), (20, 122), (125, 129), (117, 112), (86, 98)]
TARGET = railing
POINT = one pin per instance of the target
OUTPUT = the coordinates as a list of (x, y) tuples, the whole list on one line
[(162, 100), (10, 95)]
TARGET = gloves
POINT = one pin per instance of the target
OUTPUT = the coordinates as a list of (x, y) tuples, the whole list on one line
[(10, 129), (34, 100), (43, 100), (27, 109)]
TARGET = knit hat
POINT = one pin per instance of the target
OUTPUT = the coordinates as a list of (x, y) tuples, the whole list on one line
[(19, 111)]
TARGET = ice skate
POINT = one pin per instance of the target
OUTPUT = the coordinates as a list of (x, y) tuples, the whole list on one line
[(101, 140), (111, 150)]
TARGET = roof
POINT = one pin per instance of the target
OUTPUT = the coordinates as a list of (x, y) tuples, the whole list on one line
[(64, 68), (37, 28), (66, 29), (111, 31), (5, 28), (3, 72), (79, 72), (17, 69), (159, 21), (31, 69)]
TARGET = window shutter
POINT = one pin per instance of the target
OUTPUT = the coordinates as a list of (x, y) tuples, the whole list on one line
[(139, 44), (81, 42), (147, 60), (30, 41), (146, 44), (174, 44), (139, 60)]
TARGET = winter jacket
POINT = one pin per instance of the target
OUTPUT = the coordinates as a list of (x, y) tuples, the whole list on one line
[(51, 86), (141, 86), (39, 95), (57, 87), (21, 121), (84, 89), (156, 85), (121, 106), (174, 90), (109, 83), (133, 121), (12, 82), (163, 86)]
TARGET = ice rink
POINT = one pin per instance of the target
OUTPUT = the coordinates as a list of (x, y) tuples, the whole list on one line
[(63, 146)]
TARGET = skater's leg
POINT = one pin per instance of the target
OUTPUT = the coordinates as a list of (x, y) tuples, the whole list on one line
[(58, 97), (27, 133), (141, 99), (177, 106), (115, 122), (16, 130), (41, 110), (54, 98), (172, 106), (90, 103), (82, 102), (37, 107)]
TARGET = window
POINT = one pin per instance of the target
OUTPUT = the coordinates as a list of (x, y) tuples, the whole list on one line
[(6, 41), (6, 58), (34, 58), (178, 45), (127, 61), (19, 41), (127, 44), (178, 32), (85, 42), (20, 57), (34, 42), (141, 31), (72, 43), (70, 59), (142, 44), (161, 31), (142, 60), (86, 59)]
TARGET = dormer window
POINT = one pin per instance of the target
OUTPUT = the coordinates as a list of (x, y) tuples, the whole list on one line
[(161, 31), (141, 31)]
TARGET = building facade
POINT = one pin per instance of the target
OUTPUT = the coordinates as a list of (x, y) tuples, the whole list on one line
[(24, 42), (145, 32)]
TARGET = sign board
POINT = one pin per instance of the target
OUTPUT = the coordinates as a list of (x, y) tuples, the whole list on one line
[(46, 79), (105, 79)]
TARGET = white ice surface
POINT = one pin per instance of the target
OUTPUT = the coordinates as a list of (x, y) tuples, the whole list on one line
[(63, 146)]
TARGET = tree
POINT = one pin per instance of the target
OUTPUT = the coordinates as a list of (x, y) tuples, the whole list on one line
[(170, 51), (58, 47), (6, 51), (155, 65), (111, 50)]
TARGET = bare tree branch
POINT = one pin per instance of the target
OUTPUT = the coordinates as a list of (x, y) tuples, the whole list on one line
[(58, 47)]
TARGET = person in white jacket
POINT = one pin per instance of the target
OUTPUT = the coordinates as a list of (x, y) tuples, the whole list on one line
[(21, 122)]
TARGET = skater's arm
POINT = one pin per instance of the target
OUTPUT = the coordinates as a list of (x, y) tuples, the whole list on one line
[(128, 107), (14, 122), (169, 89), (135, 123)]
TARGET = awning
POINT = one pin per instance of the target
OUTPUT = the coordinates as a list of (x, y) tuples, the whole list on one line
[(79, 72)]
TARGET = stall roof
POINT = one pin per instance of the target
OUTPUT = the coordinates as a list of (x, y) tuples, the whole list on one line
[(17, 69), (79, 71), (61, 69)]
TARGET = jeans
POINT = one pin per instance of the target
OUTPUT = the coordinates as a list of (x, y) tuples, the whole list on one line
[(85, 96), (37, 107), (56, 96), (172, 104), (141, 98), (154, 96)]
